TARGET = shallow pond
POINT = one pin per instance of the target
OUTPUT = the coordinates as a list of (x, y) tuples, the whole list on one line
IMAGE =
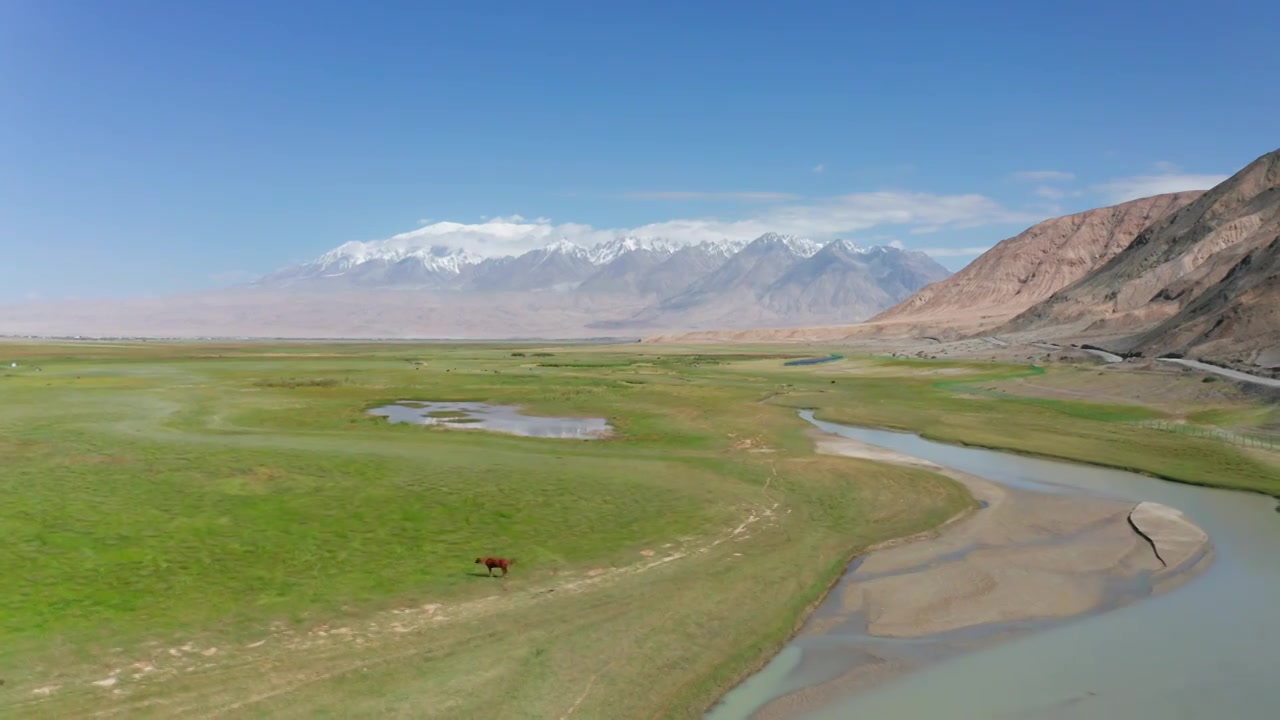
[(1209, 649), (495, 418)]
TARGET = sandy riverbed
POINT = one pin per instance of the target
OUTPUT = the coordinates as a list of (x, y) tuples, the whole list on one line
[(1026, 559)]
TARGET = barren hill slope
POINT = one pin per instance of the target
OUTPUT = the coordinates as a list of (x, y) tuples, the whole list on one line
[(1235, 322), (1029, 267), (1170, 266)]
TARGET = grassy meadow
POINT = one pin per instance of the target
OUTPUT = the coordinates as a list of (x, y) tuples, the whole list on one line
[(222, 529)]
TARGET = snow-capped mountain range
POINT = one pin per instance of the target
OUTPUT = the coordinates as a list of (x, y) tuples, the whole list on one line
[(352, 254), (355, 260), (650, 282), (445, 261)]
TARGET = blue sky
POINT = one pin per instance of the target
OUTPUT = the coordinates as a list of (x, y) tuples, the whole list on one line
[(152, 147)]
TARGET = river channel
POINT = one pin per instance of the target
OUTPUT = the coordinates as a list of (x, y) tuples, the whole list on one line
[(1207, 649)]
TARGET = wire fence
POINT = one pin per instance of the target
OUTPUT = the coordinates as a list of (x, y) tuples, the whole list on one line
[(1242, 439)]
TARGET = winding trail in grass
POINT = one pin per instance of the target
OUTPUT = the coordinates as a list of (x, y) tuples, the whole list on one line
[(1205, 649)]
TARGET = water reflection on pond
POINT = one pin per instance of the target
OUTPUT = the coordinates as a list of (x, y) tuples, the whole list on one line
[(495, 418)]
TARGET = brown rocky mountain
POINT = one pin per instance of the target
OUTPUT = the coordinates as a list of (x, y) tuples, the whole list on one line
[(1186, 281), (1236, 322), (1025, 269)]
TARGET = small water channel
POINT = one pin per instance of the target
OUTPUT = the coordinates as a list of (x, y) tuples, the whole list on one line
[(1209, 649), (495, 418)]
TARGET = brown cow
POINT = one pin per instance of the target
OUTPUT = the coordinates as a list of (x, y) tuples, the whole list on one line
[(495, 562)]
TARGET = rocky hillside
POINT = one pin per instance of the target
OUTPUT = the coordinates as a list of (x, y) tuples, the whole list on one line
[(1026, 269), (1185, 279), (1235, 322)]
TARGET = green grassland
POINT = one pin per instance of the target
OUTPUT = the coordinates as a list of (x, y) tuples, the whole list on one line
[(223, 529)]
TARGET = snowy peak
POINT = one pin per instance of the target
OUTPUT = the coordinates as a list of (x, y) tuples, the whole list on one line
[(606, 252), (722, 248), (433, 257), (453, 261), (444, 259), (800, 247), (564, 246), (844, 248)]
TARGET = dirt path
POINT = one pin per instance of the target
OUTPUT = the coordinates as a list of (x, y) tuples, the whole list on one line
[(1224, 372)]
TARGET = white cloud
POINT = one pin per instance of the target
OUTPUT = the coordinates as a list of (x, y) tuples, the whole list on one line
[(819, 168), (1044, 176), (861, 211), (692, 195), (825, 219), (1140, 186), (1046, 191)]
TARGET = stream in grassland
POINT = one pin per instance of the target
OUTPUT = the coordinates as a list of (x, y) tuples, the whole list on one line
[(1209, 649)]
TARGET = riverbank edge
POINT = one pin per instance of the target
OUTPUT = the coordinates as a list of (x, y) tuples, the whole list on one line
[(826, 587)]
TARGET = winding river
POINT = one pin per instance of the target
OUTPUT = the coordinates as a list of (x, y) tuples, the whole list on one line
[(1208, 649)]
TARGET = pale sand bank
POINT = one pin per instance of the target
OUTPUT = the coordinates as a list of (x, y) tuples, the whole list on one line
[(1025, 559)]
